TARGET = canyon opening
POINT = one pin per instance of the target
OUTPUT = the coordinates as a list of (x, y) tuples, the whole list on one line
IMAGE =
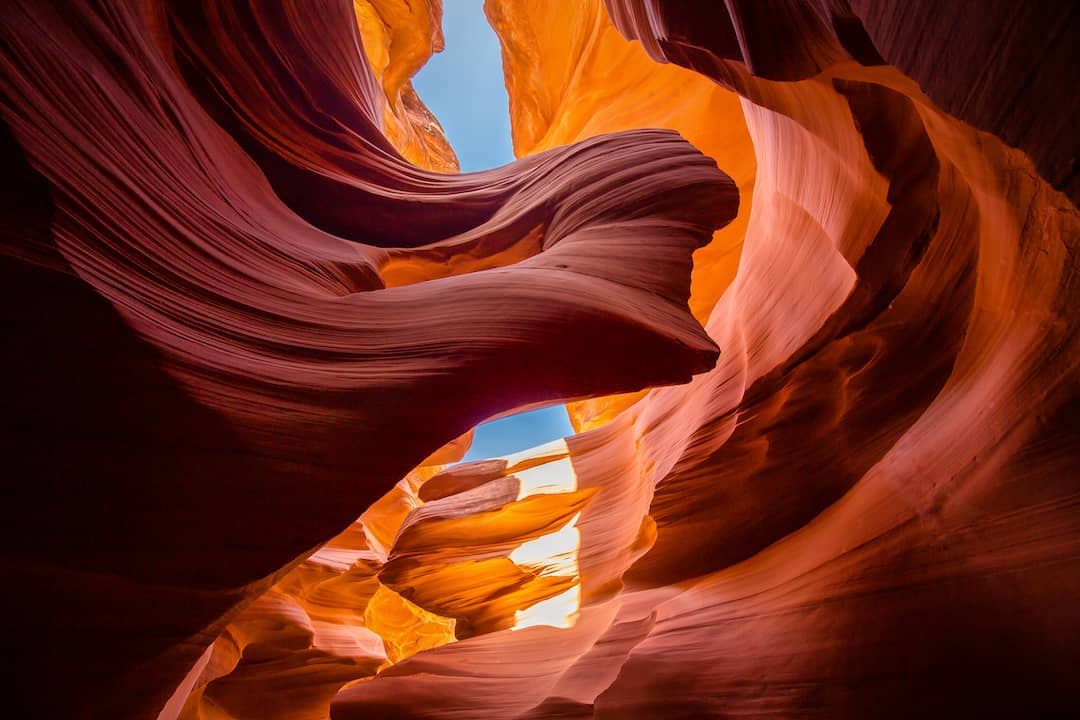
[(540, 359)]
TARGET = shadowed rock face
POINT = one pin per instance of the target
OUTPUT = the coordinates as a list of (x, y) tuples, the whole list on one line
[(248, 304)]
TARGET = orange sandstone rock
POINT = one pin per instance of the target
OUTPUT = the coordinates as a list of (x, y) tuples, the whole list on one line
[(866, 506), (216, 378)]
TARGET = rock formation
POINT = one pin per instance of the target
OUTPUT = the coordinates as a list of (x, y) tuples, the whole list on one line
[(825, 395)]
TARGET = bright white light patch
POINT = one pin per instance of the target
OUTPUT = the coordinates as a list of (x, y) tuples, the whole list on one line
[(555, 448), (552, 554), (559, 611), (547, 479)]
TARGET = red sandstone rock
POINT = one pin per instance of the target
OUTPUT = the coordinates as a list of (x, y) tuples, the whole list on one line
[(208, 385), (236, 316)]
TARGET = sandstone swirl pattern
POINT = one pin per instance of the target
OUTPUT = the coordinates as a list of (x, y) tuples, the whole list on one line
[(247, 305)]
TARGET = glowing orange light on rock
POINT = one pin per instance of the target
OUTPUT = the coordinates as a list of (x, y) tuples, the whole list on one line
[(554, 554)]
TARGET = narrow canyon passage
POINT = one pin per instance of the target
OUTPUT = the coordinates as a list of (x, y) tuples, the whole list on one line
[(537, 359)]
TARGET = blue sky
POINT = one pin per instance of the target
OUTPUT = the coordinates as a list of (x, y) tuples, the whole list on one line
[(464, 87), (519, 432)]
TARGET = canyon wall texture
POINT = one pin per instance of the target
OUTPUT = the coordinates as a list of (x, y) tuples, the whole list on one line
[(826, 395)]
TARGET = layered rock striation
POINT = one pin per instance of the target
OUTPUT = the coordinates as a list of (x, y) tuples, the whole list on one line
[(252, 314)]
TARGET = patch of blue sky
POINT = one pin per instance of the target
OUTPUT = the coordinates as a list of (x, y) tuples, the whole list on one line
[(463, 85)]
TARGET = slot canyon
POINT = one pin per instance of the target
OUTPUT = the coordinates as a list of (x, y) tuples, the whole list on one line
[(803, 272)]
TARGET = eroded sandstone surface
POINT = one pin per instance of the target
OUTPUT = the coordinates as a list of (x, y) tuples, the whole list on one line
[(805, 271)]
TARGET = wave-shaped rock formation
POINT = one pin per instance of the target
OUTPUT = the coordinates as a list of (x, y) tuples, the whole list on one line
[(827, 462)]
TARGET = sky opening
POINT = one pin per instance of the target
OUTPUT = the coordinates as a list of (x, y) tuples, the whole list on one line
[(464, 87)]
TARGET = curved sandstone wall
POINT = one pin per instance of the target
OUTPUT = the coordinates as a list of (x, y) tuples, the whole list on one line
[(825, 395)]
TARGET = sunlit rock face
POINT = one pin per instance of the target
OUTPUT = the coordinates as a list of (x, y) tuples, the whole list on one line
[(251, 315)]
